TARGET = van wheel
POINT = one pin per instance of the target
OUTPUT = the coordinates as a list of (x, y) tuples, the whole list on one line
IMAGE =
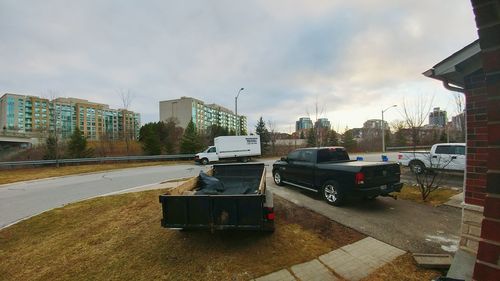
[(204, 161), (333, 194), (278, 180)]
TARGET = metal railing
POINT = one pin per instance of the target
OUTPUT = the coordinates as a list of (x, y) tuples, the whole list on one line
[(12, 164)]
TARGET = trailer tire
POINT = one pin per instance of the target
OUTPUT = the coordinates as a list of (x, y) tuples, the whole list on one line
[(204, 161), (417, 166), (278, 179), (333, 193)]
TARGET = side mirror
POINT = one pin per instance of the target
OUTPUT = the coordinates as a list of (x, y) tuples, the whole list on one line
[(284, 159)]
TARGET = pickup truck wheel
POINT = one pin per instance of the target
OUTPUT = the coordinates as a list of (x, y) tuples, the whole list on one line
[(244, 159), (277, 178), (417, 167), (333, 194), (204, 161)]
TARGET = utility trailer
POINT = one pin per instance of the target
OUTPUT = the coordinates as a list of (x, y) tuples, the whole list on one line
[(240, 200)]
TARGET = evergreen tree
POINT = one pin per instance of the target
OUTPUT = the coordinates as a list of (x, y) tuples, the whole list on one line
[(302, 136), (333, 138), (265, 137), (149, 138), (191, 141), (50, 148), (348, 140), (77, 146), (311, 138)]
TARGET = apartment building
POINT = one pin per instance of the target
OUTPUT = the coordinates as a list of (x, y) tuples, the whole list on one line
[(31, 114), (203, 115)]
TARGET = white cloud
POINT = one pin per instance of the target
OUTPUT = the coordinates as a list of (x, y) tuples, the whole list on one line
[(354, 57)]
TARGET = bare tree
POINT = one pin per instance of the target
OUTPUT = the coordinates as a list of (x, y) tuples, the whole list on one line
[(317, 112), (273, 135), (433, 177), (126, 97), (415, 114)]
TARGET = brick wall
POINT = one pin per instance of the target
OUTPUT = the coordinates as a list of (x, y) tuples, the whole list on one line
[(488, 23), (477, 139)]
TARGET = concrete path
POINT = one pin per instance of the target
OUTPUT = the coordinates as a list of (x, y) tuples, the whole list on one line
[(351, 262)]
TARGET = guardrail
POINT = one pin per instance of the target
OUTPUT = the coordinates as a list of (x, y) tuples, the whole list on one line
[(408, 147), (13, 164)]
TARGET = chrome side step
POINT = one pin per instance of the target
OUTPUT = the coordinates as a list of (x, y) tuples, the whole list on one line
[(300, 186)]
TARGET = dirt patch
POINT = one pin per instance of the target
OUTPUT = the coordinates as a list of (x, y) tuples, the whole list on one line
[(120, 238), (435, 198)]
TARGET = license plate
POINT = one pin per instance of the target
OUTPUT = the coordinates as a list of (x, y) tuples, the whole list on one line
[(383, 187)]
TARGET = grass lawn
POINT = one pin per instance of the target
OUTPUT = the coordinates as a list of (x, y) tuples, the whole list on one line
[(120, 238), (437, 197), (25, 174)]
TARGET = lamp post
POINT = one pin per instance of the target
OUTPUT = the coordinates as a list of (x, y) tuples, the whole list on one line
[(236, 111), (383, 126)]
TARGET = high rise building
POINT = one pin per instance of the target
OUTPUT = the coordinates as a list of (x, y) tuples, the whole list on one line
[(323, 123), (203, 115), (438, 117), (304, 123), (31, 114), (375, 124)]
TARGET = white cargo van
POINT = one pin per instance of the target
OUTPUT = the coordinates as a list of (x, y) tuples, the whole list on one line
[(240, 148)]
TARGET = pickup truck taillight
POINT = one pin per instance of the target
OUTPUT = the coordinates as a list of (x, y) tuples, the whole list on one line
[(400, 156), (359, 178), (269, 213)]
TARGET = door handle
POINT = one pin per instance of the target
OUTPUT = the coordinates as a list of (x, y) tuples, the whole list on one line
[(453, 157), (435, 156)]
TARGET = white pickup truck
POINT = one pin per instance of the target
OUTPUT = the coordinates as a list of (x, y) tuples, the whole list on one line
[(445, 156)]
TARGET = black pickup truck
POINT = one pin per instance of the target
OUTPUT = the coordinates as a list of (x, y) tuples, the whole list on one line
[(329, 170)]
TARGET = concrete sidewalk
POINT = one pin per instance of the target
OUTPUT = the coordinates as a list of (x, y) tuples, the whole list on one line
[(351, 262)]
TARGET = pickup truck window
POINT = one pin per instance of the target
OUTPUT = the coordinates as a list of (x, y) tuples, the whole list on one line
[(306, 156), (294, 156), (460, 150), (445, 149), (332, 154), (450, 149)]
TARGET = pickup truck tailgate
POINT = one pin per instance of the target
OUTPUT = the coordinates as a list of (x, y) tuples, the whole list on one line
[(220, 211), (381, 174)]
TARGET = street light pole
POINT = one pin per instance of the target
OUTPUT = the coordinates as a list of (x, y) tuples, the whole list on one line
[(383, 126), (236, 111)]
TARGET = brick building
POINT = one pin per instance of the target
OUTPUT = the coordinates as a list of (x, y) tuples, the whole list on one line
[(475, 71)]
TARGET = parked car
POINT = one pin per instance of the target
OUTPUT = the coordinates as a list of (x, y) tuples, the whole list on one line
[(330, 172), (228, 196), (240, 148), (444, 156)]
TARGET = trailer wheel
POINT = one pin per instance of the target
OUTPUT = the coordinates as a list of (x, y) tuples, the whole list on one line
[(417, 166), (204, 161), (333, 194), (278, 179)]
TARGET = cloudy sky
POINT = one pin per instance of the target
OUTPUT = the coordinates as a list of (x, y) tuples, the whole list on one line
[(352, 58)]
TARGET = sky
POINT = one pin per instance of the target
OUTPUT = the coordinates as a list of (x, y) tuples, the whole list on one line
[(348, 59)]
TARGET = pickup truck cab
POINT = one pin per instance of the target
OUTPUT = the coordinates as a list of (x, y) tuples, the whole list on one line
[(330, 172), (443, 156)]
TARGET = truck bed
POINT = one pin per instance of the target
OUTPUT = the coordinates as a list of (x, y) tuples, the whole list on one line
[(244, 204)]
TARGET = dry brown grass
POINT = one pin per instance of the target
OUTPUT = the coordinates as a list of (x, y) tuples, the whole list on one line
[(437, 197), (120, 238), (25, 174), (404, 268)]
